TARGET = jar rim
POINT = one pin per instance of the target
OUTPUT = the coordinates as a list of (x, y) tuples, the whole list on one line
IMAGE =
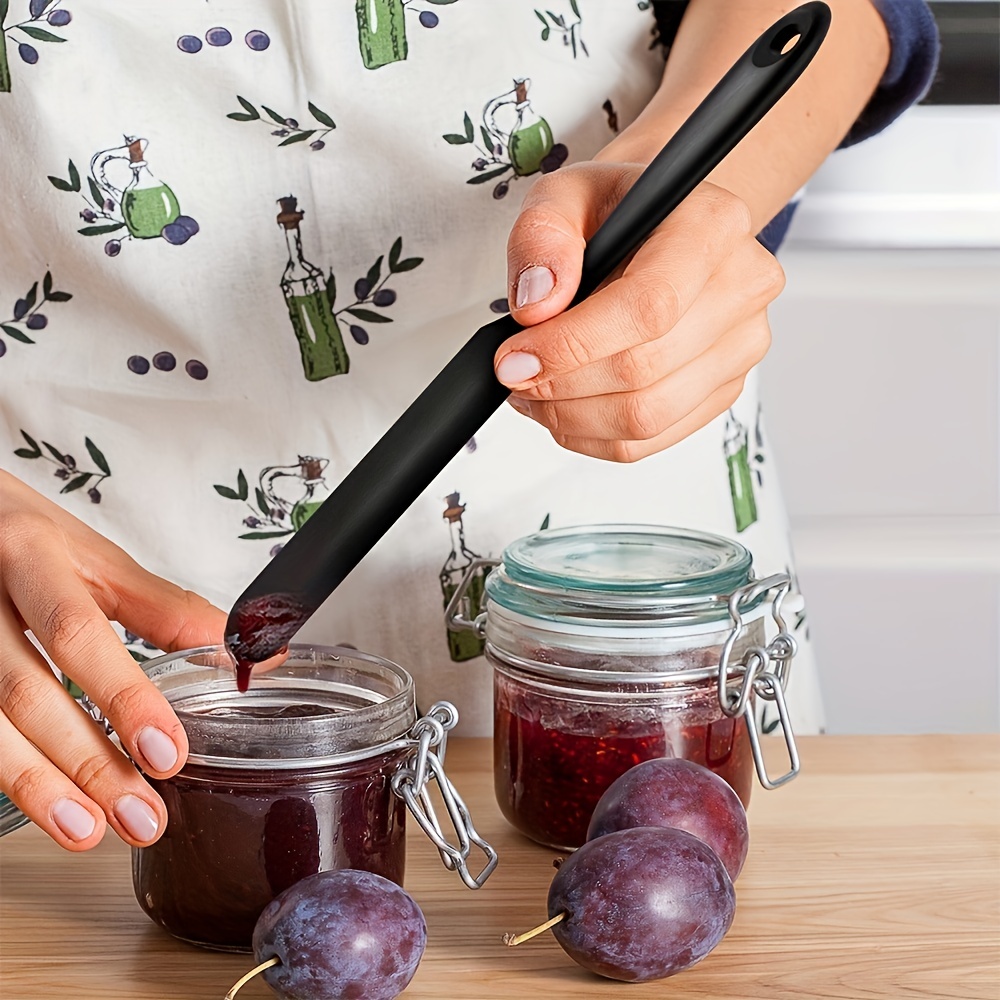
[(323, 706), (621, 573)]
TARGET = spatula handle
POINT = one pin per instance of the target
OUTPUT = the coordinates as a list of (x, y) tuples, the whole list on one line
[(418, 446)]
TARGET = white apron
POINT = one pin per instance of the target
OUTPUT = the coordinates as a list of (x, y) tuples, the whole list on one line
[(231, 299)]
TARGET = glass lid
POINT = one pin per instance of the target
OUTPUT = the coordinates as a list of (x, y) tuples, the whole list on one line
[(646, 569)]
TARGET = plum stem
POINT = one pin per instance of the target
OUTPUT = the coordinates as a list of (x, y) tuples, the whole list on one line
[(514, 939), (274, 960)]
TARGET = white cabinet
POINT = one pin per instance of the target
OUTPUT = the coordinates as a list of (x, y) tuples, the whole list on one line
[(882, 396)]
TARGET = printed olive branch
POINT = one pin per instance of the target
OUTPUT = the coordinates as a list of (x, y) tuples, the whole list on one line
[(289, 128), (55, 16), (492, 154), (569, 32), (37, 8), (371, 290), (66, 465), (264, 513), (26, 311), (98, 208)]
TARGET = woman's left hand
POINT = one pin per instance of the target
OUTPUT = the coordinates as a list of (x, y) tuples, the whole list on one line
[(655, 353)]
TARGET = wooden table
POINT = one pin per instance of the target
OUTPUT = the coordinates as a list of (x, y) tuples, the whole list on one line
[(874, 874)]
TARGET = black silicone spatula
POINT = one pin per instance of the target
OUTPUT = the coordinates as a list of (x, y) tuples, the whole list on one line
[(461, 398)]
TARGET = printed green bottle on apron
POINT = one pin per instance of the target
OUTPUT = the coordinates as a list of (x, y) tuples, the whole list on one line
[(529, 140), (309, 309), (740, 480), (461, 645), (381, 32), (147, 204), (4, 63), (295, 487)]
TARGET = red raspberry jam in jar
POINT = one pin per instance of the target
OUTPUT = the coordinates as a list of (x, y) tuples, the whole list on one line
[(612, 645), (292, 777)]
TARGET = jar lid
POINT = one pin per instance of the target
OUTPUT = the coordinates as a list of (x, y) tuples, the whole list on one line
[(323, 705), (620, 572)]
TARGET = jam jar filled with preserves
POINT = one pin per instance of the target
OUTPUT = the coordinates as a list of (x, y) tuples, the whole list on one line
[(614, 644), (312, 768)]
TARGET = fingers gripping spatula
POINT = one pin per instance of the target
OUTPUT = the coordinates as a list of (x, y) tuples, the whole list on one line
[(418, 446)]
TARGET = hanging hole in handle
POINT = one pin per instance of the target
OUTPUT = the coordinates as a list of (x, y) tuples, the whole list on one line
[(791, 33), (785, 40)]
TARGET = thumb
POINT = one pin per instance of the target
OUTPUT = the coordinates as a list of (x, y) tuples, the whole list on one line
[(545, 249)]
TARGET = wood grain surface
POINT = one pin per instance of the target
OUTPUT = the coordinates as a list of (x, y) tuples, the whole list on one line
[(875, 874)]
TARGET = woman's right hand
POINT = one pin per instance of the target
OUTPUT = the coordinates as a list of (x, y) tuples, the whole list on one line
[(66, 583)]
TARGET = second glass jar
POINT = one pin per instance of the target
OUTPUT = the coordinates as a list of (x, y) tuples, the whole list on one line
[(605, 643)]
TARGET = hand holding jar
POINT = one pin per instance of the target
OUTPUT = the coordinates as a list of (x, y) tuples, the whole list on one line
[(65, 583)]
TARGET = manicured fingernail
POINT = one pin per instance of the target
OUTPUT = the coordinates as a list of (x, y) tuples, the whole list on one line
[(521, 405), (73, 819), (533, 284), (157, 748), (137, 818), (518, 367)]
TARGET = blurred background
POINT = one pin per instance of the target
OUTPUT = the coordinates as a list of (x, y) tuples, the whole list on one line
[(883, 403)]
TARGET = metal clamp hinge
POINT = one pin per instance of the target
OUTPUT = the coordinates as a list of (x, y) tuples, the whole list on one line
[(456, 614), (764, 672), (411, 783)]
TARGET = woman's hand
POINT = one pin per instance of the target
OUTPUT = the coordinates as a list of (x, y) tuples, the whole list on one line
[(65, 583), (657, 352)]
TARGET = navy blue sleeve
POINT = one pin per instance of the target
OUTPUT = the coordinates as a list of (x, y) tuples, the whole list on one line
[(913, 58)]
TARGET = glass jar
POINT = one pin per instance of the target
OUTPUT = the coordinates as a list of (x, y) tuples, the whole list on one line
[(11, 818), (614, 644), (310, 769)]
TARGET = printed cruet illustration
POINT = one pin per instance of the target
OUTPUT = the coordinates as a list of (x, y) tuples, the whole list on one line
[(514, 138), (143, 206), (382, 27), (285, 497), (66, 468), (39, 12), (288, 130), (26, 313), (310, 298), (736, 450), (568, 27), (461, 645)]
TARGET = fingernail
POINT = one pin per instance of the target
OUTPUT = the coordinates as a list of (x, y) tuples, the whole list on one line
[(518, 367), (521, 405), (158, 748), (533, 284), (137, 818), (73, 819)]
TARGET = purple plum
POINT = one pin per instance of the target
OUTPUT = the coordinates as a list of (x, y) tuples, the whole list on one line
[(673, 792), (641, 904), (341, 933)]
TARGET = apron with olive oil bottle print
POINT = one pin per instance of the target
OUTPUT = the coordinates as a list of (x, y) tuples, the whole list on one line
[(237, 246)]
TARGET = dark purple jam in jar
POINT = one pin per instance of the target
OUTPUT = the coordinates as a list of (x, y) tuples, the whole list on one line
[(288, 779), (605, 643)]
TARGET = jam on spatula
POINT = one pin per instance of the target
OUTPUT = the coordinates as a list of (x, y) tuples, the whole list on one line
[(260, 628)]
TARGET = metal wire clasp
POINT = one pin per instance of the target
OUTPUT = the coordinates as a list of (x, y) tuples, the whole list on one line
[(456, 614), (411, 781), (764, 670)]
